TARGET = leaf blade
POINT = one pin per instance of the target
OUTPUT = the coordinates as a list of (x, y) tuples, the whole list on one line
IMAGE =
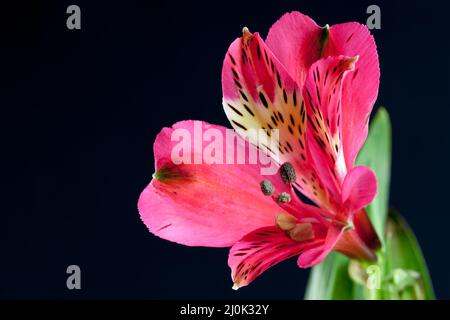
[(376, 154)]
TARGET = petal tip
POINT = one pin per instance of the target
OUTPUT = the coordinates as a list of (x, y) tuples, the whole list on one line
[(246, 32)]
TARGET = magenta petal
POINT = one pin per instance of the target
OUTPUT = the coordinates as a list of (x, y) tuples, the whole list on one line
[(317, 254), (359, 90), (359, 188), (322, 94), (260, 250), (259, 94), (203, 204), (295, 40)]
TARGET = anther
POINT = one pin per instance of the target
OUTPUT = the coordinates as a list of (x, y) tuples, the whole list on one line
[(283, 197), (285, 221), (302, 232), (287, 172), (267, 188)]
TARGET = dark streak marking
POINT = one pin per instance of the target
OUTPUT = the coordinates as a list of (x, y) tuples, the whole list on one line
[(279, 80), (274, 120), (289, 146), (249, 110), (235, 110), (239, 125), (164, 227), (235, 74), (263, 100), (285, 96), (232, 59), (243, 95), (348, 39), (318, 94), (281, 117), (301, 144)]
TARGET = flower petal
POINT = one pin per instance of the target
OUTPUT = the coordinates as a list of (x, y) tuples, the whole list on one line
[(359, 188), (295, 39), (322, 93), (317, 254), (359, 91), (259, 94), (365, 230), (203, 204), (261, 249)]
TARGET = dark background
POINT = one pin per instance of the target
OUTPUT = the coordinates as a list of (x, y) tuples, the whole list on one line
[(80, 111)]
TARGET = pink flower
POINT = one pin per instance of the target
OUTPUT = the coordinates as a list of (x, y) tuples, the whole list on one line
[(317, 86)]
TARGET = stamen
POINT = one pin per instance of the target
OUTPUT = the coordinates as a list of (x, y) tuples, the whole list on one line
[(285, 221), (302, 232), (283, 198), (287, 172), (267, 188)]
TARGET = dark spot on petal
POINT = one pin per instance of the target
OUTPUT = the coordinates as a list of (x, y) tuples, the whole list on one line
[(285, 96), (243, 95), (239, 125), (279, 80), (235, 110), (249, 110), (263, 100), (232, 59)]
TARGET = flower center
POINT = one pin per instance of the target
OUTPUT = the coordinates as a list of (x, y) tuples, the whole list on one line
[(295, 229), (287, 173)]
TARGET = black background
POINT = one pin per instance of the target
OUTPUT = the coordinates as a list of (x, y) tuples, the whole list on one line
[(80, 111)]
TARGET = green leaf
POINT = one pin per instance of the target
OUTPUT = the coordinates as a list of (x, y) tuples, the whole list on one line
[(376, 154), (330, 280), (404, 260)]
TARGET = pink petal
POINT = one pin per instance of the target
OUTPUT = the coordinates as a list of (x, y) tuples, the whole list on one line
[(353, 246), (359, 90), (365, 230), (295, 40), (322, 94), (259, 94), (261, 249), (203, 204), (317, 254), (359, 188)]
